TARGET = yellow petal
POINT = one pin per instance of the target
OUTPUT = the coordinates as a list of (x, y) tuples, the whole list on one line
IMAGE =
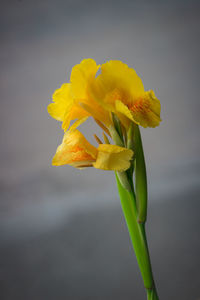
[(117, 74), (146, 110), (123, 109), (75, 137), (75, 150), (76, 112), (62, 102), (124, 120), (66, 99), (97, 112), (116, 82), (112, 157), (77, 160), (80, 77)]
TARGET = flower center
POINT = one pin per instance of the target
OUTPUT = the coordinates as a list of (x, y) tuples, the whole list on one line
[(79, 154), (139, 106)]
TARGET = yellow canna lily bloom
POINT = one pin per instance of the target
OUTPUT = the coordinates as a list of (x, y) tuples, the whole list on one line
[(76, 151), (117, 89), (73, 102), (120, 90)]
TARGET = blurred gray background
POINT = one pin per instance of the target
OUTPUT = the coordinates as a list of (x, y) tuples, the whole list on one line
[(62, 232)]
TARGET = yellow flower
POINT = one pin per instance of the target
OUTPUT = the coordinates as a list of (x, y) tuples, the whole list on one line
[(119, 89), (112, 157), (64, 108), (73, 102), (76, 151)]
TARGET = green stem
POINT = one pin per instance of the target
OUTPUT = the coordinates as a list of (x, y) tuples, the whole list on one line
[(138, 238), (152, 294), (140, 176)]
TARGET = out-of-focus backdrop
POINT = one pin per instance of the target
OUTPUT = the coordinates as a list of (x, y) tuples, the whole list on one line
[(62, 233)]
